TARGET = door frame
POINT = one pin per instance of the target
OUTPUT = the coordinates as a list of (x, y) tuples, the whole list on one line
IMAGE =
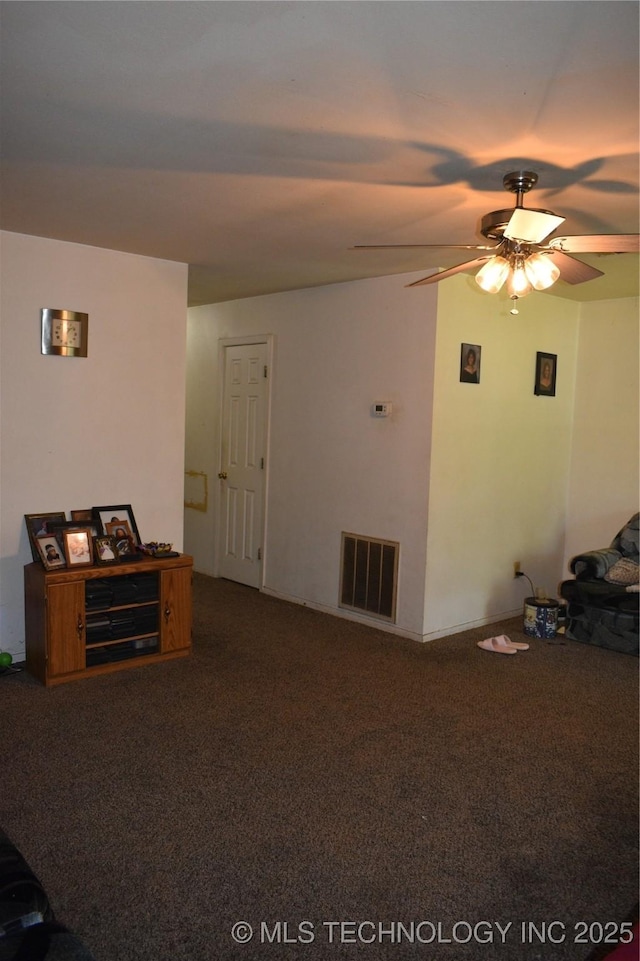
[(246, 341)]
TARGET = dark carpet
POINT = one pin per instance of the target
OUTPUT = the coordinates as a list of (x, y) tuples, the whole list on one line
[(347, 793)]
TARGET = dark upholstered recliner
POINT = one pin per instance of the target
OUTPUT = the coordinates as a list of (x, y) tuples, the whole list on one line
[(603, 599), (28, 928)]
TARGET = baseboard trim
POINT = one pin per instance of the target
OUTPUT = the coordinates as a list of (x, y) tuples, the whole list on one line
[(470, 625), (391, 628), (345, 615)]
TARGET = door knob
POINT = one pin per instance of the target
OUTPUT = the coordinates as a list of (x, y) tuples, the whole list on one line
[(222, 475)]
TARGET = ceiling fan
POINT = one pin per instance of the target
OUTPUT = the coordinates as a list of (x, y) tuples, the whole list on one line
[(523, 257)]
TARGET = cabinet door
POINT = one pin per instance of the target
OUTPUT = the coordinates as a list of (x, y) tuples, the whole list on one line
[(65, 628), (175, 609)]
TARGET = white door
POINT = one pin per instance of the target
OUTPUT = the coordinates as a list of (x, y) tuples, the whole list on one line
[(242, 466)]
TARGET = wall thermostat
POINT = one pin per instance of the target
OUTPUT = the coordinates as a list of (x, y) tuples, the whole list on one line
[(382, 409)]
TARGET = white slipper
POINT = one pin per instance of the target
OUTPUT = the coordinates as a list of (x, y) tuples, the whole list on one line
[(506, 641), (490, 644)]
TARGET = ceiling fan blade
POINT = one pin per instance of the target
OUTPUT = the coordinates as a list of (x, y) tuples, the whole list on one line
[(598, 244), (531, 226), (423, 247), (434, 278), (572, 270)]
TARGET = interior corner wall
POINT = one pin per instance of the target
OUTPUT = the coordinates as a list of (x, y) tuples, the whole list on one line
[(201, 456), (500, 456), (604, 481), (83, 432), (331, 466)]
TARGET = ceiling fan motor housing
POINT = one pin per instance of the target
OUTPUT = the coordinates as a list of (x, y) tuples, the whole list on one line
[(518, 182), (493, 224)]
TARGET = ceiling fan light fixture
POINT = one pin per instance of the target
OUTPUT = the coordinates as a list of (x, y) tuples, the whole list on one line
[(541, 271), (493, 274), (518, 284)]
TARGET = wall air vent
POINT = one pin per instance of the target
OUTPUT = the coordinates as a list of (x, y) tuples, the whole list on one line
[(369, 574)]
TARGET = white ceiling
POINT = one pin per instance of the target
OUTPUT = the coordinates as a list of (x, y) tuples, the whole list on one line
[(259, 141)]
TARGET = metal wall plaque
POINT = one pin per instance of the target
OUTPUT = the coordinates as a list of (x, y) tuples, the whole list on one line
[(64, 332)]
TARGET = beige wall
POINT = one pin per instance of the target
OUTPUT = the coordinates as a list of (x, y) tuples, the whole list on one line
[(604, 482), (500, 455), (79, 432)]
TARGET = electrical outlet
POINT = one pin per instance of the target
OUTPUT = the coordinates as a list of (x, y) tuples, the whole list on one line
[(516, 568)]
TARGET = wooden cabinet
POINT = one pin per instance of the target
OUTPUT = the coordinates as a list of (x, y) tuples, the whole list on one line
[(93, 620)]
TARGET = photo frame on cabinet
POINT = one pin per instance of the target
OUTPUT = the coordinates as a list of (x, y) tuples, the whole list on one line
[(59, 527), (84, 515), (127, 549), (117, 514), (123, 536), (105, 549), (470, 363), (50, 552), (38, 524), (78, 546), (546, 366)]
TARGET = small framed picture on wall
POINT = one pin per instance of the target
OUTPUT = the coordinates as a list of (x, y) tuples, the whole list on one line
[(470, 363), (546, 366)]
